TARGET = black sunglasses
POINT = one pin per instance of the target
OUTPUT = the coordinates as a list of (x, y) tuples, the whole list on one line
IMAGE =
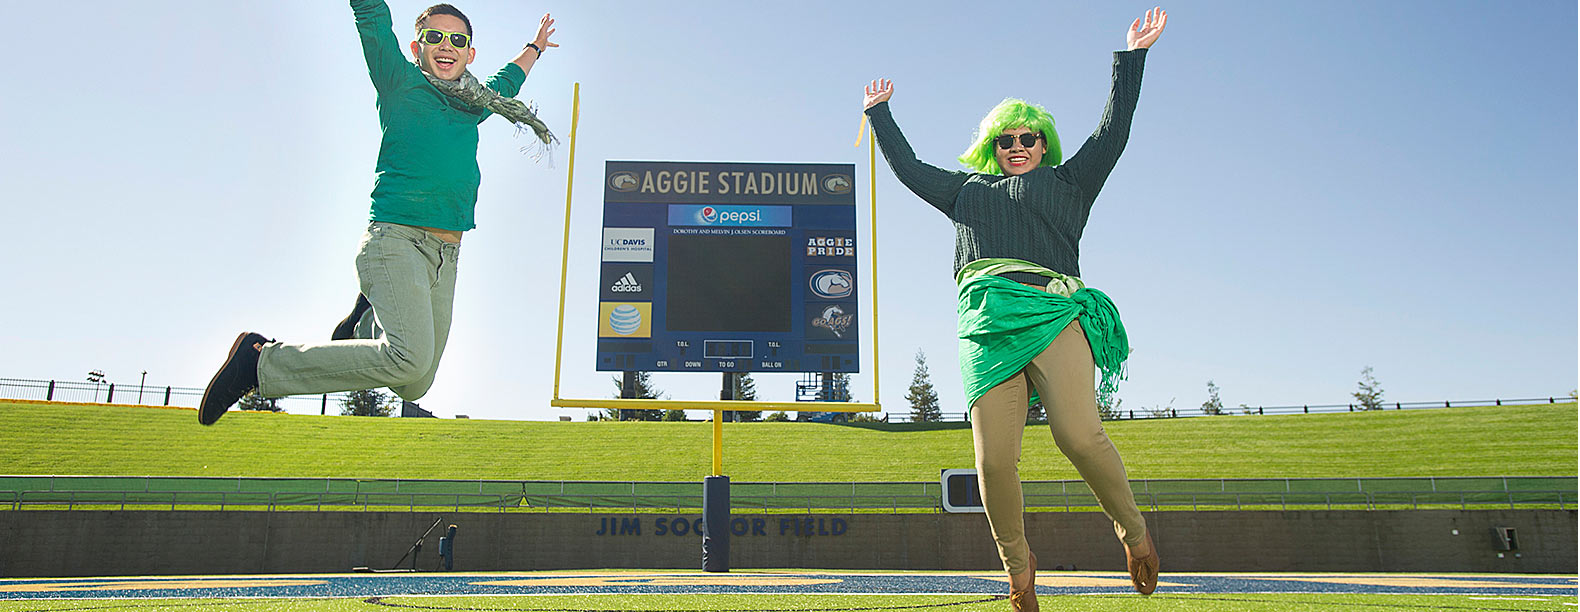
[(434, 37), (1027, 140)]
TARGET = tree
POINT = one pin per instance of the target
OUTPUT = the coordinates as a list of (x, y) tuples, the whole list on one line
[(840, 383), (1369, 393), (1035, 413), (746, 391), (1108, 412), (776, 417), (1161, 411), (1213, 406), (923, 399), (644, 390), (674, 415), (368, 402), (253, 401)]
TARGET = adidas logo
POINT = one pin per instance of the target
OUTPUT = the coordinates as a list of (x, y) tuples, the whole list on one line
[(626, 284)]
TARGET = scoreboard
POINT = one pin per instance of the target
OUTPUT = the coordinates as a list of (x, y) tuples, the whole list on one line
[(728, 267)]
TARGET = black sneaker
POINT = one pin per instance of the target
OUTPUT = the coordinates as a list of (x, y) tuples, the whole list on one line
[(234, 379), (347, 328)]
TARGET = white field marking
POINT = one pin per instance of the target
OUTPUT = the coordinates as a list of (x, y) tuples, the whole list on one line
[(752, 593), (1511, 598)]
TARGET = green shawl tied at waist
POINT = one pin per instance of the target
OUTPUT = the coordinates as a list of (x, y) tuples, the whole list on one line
[(1003, 324)]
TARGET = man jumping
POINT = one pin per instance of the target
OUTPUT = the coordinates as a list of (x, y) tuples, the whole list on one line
[(424, 193)]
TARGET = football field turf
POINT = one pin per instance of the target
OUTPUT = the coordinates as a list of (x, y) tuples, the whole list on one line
[(787, 590)]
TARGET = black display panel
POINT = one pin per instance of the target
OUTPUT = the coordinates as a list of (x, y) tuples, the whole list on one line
[(728, 284)]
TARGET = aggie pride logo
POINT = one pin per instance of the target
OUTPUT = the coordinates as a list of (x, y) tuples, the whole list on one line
[(824, 246)]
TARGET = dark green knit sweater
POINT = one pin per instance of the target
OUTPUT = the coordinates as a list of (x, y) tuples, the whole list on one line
[(1037, 216)]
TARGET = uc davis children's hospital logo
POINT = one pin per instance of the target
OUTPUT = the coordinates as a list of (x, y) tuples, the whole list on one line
[(625, 320), (628, 244)]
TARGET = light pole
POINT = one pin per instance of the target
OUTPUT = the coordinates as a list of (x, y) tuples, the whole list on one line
[(140, 387), (96, 377)]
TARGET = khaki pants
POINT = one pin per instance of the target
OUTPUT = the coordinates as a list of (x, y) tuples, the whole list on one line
[(1063, 376), (408, 276)]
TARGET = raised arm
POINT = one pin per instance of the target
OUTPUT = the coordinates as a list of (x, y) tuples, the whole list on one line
[(386, 64), (932, 184), (534, 50), (1090, 166)]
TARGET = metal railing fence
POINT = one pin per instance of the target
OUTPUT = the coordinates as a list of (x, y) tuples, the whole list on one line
[(1170, 413), (144, 395), (150, 395), (24, 492)]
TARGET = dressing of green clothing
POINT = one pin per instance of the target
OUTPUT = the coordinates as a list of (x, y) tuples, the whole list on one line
[(1003, 324), (1027, 228), (1037, 216), (427, 173)]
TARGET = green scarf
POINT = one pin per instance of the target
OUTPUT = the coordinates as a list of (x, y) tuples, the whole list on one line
[(1003, 325), (470, 91)]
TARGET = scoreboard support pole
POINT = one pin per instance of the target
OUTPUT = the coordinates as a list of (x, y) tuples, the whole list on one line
[(716, 493)]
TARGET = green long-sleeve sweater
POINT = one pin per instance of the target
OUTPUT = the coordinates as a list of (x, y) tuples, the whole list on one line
[(427, 172), (1037, 216)]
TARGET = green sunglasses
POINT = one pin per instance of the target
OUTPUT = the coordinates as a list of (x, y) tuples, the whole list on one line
[(434, 37)]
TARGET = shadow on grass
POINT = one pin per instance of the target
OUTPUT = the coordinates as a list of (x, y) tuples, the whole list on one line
[(904, 427)]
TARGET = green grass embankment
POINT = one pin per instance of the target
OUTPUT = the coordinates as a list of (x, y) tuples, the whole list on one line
[(90, 440)]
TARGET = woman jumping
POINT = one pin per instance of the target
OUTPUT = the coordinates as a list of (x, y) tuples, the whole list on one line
[(1025, 316)]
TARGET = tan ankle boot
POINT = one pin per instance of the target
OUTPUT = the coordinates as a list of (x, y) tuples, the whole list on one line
[(1143, 567), (1025, 599)]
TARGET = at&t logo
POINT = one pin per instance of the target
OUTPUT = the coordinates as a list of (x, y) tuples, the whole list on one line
[(625, 319)]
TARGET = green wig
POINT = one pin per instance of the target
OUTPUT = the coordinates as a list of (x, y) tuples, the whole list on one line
[(1009, 114)]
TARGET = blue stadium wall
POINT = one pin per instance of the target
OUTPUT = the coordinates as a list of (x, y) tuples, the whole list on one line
[(36, 543)]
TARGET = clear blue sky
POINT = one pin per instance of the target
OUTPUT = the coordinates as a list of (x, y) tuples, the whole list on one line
[(1309, 189)]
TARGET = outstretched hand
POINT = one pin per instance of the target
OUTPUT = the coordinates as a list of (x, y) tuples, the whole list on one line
[(528, 55), (1142, 35), (545, 29), (880, 90)]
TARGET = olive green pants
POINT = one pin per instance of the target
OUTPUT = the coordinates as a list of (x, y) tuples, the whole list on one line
[(408, 275), (1063, 376)]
